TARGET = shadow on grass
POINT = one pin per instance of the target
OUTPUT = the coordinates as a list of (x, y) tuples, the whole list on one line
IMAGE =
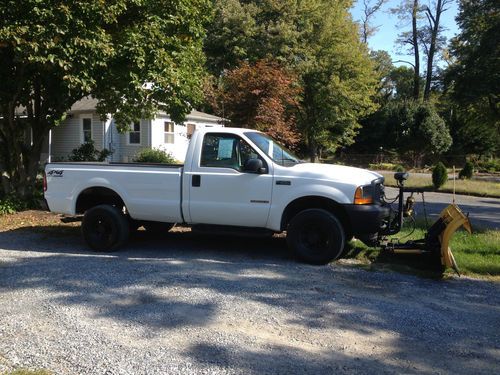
[(376, 259)]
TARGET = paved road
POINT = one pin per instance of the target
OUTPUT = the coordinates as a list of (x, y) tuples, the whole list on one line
[(185, 304), (483, 212)]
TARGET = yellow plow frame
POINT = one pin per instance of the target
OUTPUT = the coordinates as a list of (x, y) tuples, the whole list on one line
[(435, 245), (453, 217)]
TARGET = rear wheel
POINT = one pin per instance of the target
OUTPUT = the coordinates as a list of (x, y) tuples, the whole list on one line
[(105, 228), (316, 236)]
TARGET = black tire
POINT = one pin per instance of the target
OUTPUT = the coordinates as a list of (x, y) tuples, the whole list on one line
[(105, 228), (158, 228), (316, 236)]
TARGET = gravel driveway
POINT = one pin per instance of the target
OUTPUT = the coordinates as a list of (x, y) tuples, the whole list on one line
[(186, 304)]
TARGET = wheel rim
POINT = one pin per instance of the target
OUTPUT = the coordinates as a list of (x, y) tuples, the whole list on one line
[(102, 231), (314, 238)]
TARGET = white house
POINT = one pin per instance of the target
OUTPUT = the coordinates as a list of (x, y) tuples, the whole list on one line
[(83, 124)]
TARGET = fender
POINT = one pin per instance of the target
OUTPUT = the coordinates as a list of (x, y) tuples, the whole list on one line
[(96, 182), (282, 198)]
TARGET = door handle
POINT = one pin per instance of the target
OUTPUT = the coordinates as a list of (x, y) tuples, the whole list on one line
[(196, 180)]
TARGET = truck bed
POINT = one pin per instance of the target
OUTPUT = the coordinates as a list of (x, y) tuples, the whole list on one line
[(150, 191)]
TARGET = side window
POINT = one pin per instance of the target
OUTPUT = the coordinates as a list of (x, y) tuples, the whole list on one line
[(169, 129), (87, 129), (134, 135), (225, 151)]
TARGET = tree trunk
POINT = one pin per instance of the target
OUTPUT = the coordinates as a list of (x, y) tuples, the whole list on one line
[(21, 156), (416, 74), (434, 23), (313, 150)]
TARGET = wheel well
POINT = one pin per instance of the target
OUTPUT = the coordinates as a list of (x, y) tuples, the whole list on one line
[(323, 203), (95, 196)]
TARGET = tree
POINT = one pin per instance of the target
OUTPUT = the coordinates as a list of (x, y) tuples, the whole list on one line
[(403, 80), (412, 128), (369, 10), (383, 67), (427, 36), (410, 9), (134, 56), (317, 40), (261, 96), (473, 79), (432, 40)]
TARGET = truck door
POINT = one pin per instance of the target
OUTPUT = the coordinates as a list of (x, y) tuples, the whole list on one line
[(221, 192)]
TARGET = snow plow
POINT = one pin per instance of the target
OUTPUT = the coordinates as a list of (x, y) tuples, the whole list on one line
[(435, 244)]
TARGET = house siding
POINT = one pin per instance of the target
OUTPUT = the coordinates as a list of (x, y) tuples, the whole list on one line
[(68, 135), (179, 148), (97, 131), (124, 152)]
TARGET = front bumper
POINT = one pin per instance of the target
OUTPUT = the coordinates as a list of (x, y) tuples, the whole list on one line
[(367, 220)]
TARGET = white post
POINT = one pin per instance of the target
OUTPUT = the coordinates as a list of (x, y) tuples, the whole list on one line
[(453, 184), (50, 146)]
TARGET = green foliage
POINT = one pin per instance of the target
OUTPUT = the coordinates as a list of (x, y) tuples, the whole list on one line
[(88, 152), (318, 40), (473, 78), (412, 128), (439, 175), (399, 168), (402, 80), (387, 167), (134, 56), (11, 204), (467, 171), (490, 166), (154, 155)]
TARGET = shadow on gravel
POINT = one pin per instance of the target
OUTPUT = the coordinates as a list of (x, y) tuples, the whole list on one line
[(161, 284)]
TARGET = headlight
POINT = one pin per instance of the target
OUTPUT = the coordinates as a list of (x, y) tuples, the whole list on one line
[(364, 195)]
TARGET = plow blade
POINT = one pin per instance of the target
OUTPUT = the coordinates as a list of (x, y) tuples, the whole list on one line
[(452, 218)]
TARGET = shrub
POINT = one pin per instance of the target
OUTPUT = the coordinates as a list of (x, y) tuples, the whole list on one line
[(489, 166), (467, 171), (382, 166), (154, 155), (10, 204), (399, 168), (88, 152), (439, 175)]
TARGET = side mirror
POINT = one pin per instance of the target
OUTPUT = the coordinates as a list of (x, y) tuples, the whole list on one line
[(254, 166)]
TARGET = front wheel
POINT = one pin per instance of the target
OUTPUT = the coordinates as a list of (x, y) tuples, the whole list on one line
[(316, 236), (105, 228)]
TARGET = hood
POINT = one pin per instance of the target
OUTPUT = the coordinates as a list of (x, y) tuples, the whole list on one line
[(339, 173)]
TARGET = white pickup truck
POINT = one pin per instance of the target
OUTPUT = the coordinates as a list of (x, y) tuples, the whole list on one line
[(232, 178)]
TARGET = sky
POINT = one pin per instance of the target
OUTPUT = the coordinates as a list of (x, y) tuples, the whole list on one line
[(390, 27)]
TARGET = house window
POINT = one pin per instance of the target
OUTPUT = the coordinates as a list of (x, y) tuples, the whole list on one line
[(134, 135), (87, 130), (190, 128), (169, 132)]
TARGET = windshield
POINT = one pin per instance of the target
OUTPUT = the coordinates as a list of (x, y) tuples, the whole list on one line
[(273, 149)]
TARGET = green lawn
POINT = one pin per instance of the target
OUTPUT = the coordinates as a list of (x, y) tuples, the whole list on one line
[(469, 187), (476, 255)]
